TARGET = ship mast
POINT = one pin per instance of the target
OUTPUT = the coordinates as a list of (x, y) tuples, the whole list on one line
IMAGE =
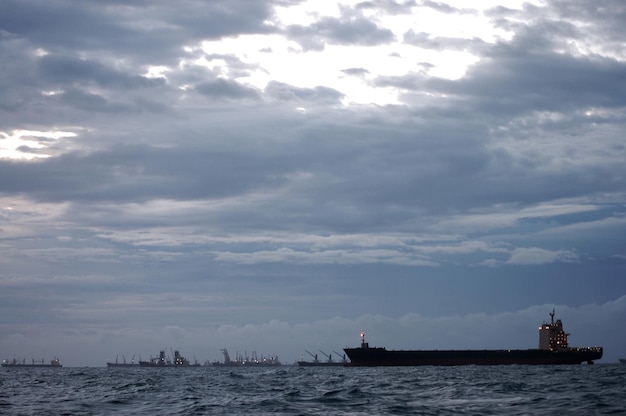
[(312, 355), (551, 336)]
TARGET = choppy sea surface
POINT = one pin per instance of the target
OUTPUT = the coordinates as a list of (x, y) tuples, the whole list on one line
[(291, 390)]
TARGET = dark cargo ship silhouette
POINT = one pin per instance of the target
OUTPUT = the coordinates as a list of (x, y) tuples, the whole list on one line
[(162, 361), (55, 363), (123, 364), (553, 349), (240, 361)]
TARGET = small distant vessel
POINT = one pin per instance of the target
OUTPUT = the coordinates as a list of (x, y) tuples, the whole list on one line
[(117, 364), (327, 363), (162, 361), (622, 360), (240, 361), (553, 349), (55, 362)]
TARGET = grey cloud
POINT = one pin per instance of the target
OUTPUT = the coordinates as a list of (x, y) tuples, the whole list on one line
[(389, 6), (86, 101), (357, 31), (65, 70), (597, 24), (423, 40), (219, 19), (355, 71), (223, 88), (444, 8), (56, 24), (30, 150), (519, 80), (406, 7), (142, 173), (354, 163), (606, 16), (287, 92), (131, 28), (18, 83), (524, 76), (236, 68)]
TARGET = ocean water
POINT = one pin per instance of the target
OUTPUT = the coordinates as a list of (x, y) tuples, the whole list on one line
[(289, 390)]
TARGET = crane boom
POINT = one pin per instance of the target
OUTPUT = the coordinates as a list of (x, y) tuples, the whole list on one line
[(312, 355)]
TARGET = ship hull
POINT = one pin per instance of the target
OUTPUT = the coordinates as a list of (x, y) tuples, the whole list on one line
[(321, 364), (374, 357), (32, 365), (56, 363), (149, 364), (160, 365)]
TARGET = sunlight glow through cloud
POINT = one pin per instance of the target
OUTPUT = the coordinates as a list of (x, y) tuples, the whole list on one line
[(280, 59), (16, 144)]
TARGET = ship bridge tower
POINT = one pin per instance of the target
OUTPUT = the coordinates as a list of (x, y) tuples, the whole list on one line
[(363, 343), (551, 336)]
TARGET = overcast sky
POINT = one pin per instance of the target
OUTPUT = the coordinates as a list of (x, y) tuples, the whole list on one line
[(280, 175)]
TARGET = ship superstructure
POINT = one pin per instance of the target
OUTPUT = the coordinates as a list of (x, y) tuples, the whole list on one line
[(163, 361), (552, 336), (240, 360)]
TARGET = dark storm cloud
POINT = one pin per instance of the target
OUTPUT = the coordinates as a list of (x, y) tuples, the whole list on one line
[(86, 101), (525, 75), (142, 173), (391, 169), (18, 70), (106, 45), (387, 164), (223, 88), (151, 32), (398, 171), (93, 104), (56, 25), (63, 70), (518, 79)]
